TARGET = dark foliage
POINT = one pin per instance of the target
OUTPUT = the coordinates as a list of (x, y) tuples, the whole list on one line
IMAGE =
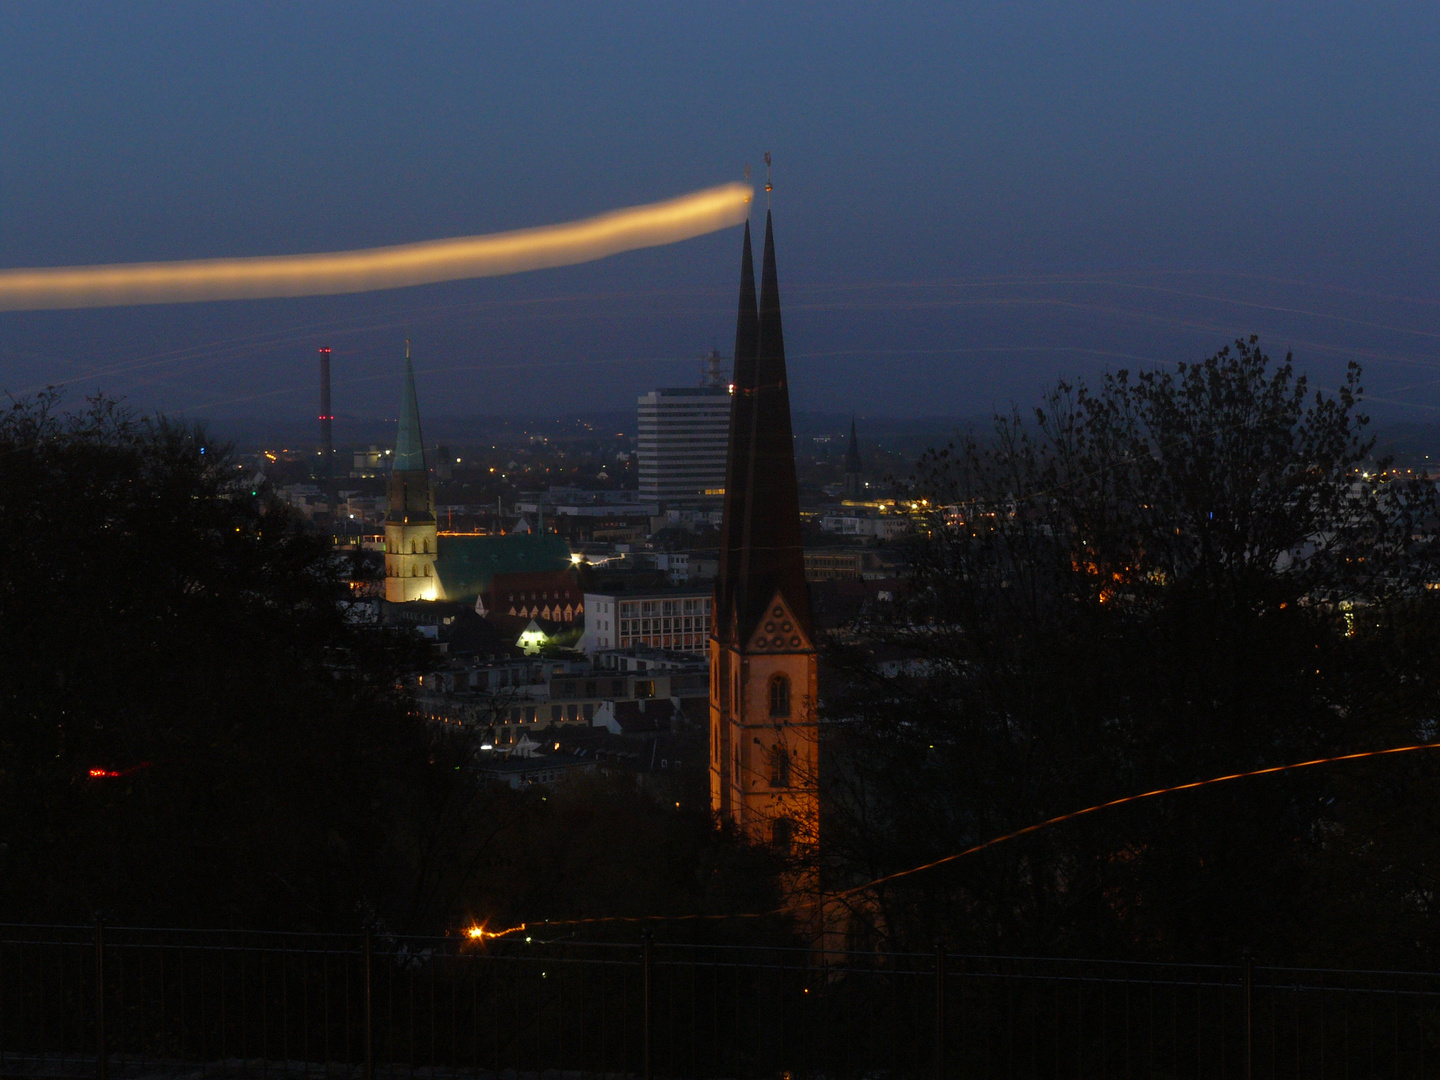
[(1170, 578), (192, 642)]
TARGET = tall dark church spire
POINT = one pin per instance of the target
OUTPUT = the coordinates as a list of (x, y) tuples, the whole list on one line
[(764, 672), (737, 464), (771, 554)]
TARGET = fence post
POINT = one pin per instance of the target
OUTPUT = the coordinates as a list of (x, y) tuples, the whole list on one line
[(647, 963), (1248, 980), (369, 1012), (101, 1065), (940, 1009)]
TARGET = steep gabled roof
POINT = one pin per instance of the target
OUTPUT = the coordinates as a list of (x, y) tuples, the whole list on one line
[(409, 443)]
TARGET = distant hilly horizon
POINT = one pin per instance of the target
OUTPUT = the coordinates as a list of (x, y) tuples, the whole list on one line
[(473, 429)]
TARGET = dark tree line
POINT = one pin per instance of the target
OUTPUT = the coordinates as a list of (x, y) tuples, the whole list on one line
[(1170, 577), (190, 641)]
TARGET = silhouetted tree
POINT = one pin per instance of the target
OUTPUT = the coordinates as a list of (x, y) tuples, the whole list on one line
[(1172, 577)]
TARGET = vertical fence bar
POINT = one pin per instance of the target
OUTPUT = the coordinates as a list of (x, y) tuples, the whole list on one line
[(940, 1010), (369, 1011), (100, 1062), (1248, 980), (647, 964)]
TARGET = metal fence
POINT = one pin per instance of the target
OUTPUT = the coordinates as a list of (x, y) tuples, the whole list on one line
[(123, 1003)]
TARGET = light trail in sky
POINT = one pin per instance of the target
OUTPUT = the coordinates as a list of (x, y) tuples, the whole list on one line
[(330, 273)]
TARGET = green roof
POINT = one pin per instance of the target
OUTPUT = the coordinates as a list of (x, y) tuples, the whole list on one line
[(465, 564), (409, 443)]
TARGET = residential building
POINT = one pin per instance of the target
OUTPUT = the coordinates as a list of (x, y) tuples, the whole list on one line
[(676, 619)]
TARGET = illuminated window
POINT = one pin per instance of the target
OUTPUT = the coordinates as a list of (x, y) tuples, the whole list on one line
[(779, 766), (780, 696)]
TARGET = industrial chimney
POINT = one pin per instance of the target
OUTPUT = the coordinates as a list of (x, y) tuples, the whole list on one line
[(327, 446)]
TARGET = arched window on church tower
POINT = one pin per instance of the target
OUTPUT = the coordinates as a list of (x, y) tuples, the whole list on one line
[(412, 547), (779, 696), (779, 766)]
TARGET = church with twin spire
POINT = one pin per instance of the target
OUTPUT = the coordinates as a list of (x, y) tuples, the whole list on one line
[(764, 735)]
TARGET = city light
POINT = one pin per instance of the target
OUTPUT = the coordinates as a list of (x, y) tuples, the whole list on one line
[(111, 773), (330, 273), (479, 933)]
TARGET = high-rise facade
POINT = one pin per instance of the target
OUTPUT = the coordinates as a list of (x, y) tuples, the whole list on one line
[(684, 435), (764, 734)]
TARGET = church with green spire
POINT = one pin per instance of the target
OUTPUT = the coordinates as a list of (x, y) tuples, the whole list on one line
[(411, 534), (422, 563)]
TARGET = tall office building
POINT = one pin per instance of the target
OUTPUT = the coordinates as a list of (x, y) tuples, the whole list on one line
[(684, 436)]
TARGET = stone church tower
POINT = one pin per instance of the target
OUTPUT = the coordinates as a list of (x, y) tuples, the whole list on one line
[(410, 528), (764, 749)]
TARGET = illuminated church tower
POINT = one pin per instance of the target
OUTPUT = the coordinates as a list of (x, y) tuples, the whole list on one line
[(410, 528), (763, 672)]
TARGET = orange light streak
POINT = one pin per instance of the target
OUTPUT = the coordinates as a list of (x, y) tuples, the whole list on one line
[(479, 933), (1130, 799), (330, 273), (791, 908)]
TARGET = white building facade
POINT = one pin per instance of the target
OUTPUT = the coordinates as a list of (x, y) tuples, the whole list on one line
[(684, 437), (673, 619)]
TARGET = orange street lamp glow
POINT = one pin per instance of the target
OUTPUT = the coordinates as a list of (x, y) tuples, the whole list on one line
[(330, 273), (479, 933)]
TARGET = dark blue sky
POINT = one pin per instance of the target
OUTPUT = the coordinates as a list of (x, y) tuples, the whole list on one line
[(969, 203)]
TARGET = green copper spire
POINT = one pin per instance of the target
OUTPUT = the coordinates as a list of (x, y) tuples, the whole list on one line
[(409, 444)]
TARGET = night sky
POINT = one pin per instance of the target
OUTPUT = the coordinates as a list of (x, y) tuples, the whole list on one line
[(971, 201)]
